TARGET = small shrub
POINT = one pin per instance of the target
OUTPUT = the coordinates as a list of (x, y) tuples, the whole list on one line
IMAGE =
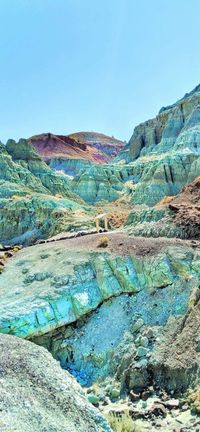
[(103, 242), (58, 196), (123, 423), (194, 400), (16, 197)]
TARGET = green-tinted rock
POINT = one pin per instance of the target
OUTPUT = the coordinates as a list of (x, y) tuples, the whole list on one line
[(36, 303), (93, 399), (142, 351)]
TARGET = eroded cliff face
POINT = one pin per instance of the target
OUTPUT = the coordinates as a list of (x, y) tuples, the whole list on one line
[(35, 201), (98, 183), (162, 156), (170, 129), (26, 157), (172, 142), (105, 314)]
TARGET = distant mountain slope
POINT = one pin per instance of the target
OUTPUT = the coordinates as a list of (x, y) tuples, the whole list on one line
[(88, 146), (108, 145)]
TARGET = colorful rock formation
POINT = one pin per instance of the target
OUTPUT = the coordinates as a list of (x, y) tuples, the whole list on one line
[(106, 144), (35, 201), (71, 152), (161, 158), (61, 283), (122, 318)]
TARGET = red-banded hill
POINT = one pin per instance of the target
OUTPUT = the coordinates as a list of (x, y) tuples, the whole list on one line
[(90, 146)]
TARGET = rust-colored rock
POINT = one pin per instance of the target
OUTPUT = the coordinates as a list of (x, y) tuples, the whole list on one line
[(89, 146), (186, 207)]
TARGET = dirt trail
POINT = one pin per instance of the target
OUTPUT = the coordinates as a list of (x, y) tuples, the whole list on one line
[(121, 244)]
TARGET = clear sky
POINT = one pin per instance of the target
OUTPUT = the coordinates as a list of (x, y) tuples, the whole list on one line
[(93, 65)]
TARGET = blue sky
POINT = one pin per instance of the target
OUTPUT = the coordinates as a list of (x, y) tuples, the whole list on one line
[(96, 65)]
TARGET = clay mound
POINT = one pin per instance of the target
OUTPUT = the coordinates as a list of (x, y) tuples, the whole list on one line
[(37, 395), (186, 207), (96, 148)]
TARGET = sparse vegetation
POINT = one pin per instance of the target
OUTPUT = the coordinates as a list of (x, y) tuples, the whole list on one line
[(58, 196), (103, 242), (123, 423), (16, 197), (194, 400), (164, 201)]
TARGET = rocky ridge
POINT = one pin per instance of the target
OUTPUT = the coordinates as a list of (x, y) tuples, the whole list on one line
[(108, 145), (175, 127)]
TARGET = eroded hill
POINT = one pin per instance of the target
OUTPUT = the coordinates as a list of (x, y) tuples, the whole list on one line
[(120, 311)]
